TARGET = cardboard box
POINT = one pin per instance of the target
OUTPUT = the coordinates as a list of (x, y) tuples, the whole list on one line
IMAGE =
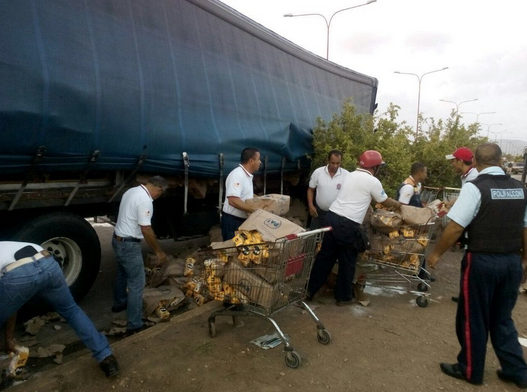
[(166, 296), (274, 203), (249, 284), (271, 226)]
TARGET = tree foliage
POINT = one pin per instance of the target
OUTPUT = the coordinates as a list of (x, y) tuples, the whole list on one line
[(354, 133)]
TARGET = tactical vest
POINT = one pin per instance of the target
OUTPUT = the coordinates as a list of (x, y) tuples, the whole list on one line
[(498, 225)]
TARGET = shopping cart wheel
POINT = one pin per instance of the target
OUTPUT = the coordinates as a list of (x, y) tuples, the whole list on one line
[(421, 301), (323, 336), (212, 329), (422, 287), (292, 359)]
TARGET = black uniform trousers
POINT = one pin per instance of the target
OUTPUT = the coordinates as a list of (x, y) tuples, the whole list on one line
[(339, 244), (488, 292), (319, 221), (230, 224)]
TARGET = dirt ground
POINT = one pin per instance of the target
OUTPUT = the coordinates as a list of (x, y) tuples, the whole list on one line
[(391, 345)]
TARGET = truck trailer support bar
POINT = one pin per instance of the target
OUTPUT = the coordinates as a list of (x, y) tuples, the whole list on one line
[(91, 162), (266, 161), (187, 164), (282, 176), (39, 154), (140, 161), (220, 196)]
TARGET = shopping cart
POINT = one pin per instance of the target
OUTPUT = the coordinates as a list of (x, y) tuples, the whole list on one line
[(429, 194), (396, 257), (261, 279), (448, 194)]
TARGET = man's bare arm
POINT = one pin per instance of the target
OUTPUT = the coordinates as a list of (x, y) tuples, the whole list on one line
[(451, 234), (238, 203), (151, 240), (10, 341), (391, 203), (310, 198)]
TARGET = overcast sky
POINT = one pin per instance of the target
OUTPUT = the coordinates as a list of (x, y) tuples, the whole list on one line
[(483, 43)]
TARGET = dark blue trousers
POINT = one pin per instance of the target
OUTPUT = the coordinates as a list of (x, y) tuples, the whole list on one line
[(229, 224), (488, 292), (339, 244)]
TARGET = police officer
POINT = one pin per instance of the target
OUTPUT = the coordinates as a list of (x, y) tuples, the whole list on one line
[(345, 216), (492, 209)]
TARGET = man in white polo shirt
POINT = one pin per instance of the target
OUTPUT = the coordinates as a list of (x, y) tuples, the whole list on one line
[(134, 224), (238, 188), (326, 181), (345, 216)]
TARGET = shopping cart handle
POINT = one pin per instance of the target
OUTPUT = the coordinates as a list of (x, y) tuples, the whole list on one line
[(290, 237)]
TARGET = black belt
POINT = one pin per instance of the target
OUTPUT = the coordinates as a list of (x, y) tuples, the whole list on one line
[(126, 239)]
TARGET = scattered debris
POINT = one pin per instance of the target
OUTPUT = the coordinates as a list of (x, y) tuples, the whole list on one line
[(115, 331), (268, 341), (34, 325), (51, 316), (50, 351)]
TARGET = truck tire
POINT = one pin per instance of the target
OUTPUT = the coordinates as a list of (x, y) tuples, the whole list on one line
[(74, 244)]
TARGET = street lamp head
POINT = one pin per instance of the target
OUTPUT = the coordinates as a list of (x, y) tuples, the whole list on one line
[(371, 1), (288, 15)]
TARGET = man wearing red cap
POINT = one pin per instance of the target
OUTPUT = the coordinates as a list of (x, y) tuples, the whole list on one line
[(345, 216), (461, 161)]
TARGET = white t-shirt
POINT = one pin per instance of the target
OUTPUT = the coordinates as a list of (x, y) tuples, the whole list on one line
[(9, 248), (407, 191), (470, 175), (327, 187), (356, 194), (136, 210), (239, 183)]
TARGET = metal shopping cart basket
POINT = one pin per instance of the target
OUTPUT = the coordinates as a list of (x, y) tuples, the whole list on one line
[(396, 257), (448, 194), (259, 279), (429, 194)]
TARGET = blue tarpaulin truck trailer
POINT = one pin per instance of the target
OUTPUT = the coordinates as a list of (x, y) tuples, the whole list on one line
[(96, 95)]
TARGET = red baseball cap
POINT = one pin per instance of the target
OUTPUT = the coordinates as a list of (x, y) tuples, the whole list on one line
[(462, 153)]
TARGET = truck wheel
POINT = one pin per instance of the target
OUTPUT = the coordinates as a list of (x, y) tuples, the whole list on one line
[(74, 244)]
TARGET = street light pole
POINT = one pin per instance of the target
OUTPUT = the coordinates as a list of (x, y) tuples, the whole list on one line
[(501, 138), (328, 23), (489, 126), (458, 104), (478, 114), (419, 78)]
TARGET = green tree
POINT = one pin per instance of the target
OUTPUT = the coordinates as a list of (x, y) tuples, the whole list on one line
[(354, 133)]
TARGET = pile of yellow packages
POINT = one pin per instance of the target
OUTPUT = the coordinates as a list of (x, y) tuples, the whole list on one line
[(242, 274)]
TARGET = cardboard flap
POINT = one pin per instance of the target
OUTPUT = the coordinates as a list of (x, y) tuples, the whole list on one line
[(271, 226)]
